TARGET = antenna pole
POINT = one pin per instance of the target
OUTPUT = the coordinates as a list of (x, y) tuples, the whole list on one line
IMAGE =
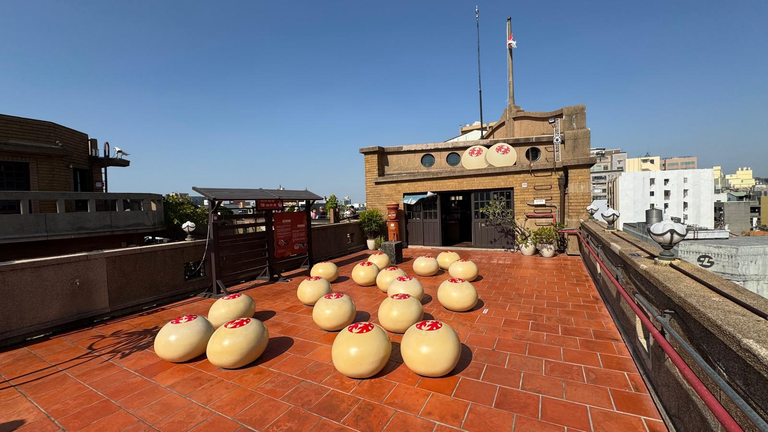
[(479, 80)]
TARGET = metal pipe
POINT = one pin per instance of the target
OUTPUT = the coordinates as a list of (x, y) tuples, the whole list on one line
[(706, 396), (724, 386)]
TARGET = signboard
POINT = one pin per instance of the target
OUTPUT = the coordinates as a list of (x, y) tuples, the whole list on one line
[(270, 204), (539, 202), (290, 233)]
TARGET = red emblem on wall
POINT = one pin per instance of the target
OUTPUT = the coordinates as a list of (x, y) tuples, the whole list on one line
[(405, 278), (366, 264), (334, 296), (361, 327), (401, 296), (232, 296), (184, 319), (314, 278), (393, 268), (502, 149), (237, 323), (456, 280), (475, 152), (429, 325)]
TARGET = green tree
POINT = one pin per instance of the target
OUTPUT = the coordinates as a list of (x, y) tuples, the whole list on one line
[(332, 203), (179, 209)]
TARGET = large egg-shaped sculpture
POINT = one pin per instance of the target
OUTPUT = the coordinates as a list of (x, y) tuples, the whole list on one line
[(364, 273), (312, 288), (501, 155), (325, 269), (334, 311), (229, 307), (406, 285), (361, 350), (237, 343), (387, 275), (446, 258), (380, 259), (183, 338), (457, 295), (474, 157), (430, 348), (425, 266), (400, 311), (463, 269)]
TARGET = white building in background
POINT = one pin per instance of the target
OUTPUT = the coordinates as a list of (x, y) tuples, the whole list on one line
[(684, 194)]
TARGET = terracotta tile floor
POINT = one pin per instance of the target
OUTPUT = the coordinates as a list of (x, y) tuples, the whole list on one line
[(540, 353)]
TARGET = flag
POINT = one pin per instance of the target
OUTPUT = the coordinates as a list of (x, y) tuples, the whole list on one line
[(511, 43)]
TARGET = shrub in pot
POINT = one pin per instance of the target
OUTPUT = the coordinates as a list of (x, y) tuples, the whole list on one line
[(371, 222), (546, 239)]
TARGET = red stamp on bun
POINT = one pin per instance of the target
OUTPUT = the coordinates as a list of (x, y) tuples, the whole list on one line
[(405, 278), (360, 327), (366, 264), (393, 268), (184, 319), (232, 296), (237, 323), (429, 325), (314, 278), (401, 296), (456, 280), (334, 296)]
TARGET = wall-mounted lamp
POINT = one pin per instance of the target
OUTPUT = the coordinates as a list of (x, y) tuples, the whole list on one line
[(667, 234), (610, 216), (69, 166)]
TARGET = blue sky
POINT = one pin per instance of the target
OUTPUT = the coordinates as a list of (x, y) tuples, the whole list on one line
[(256, 94)]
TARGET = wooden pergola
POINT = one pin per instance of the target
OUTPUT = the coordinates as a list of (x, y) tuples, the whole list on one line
[(260, 241)]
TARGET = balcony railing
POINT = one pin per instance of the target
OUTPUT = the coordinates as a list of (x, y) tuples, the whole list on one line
[(31, 216)]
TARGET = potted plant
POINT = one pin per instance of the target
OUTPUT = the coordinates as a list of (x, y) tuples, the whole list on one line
[(525, 242), (546, 239), (371, 222)]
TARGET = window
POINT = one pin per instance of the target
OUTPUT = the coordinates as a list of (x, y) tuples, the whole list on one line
[(685, 206), (653, 193), (653, 182), (653, 206), (667, 195), (685, 193), (453, 159), (427, 161), (533, 154), (666, 206), (14, 176), (666, 182), (685, 179)]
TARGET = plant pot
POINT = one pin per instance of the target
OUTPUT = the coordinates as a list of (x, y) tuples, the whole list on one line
[(527, 249), (371, 244), (547, 250)]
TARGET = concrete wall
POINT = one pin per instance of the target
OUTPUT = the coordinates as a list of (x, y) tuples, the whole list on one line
[(733, 340), (47, 293), (334, 240), (631, 195)]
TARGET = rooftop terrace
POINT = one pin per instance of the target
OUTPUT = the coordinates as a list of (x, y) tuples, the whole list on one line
[(540, 353)]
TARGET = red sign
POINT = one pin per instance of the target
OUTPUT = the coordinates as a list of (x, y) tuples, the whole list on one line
[(270, 204), (290, 234)]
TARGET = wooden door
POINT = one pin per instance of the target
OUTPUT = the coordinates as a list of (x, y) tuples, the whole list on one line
[(430, 218), (484, 235), (414, 232)]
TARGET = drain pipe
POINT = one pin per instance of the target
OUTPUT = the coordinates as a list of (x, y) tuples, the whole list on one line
[(706, 396)]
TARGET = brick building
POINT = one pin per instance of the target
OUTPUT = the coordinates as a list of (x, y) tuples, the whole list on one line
[(37, 155), (544, 175)]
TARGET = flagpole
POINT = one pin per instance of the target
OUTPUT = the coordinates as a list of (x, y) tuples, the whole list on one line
[(479, 80), (510, 66)]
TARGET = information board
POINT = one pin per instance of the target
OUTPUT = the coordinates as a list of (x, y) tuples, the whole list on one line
[(290, 232), (271, 204)]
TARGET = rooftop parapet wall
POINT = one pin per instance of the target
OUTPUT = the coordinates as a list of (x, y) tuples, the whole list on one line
[(733, 340)]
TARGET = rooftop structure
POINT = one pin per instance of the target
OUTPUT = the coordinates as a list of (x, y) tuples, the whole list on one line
[(679, 162), (645, 163), (610, 163), (741, 179)]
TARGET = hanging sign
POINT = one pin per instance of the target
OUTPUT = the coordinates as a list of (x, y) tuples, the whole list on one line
[(269, 204), (290, 232)]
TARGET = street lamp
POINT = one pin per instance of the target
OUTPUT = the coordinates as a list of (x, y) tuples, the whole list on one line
[(592, 209), (667, 234), (610, 216), (188, 227)]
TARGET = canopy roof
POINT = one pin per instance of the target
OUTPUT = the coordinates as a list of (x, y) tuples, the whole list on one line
[(220, 194)]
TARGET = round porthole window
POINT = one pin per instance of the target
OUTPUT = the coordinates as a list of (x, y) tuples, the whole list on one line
[(533, 154), (453, 159), (427, 161)]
